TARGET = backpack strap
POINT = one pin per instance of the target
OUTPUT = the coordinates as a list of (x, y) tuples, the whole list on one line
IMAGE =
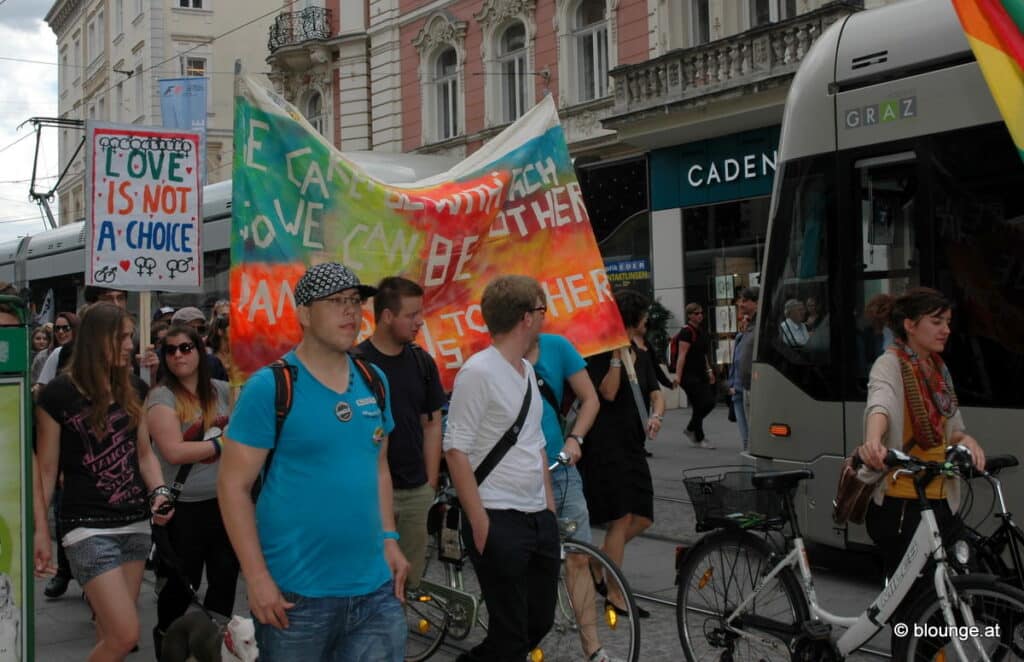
[(285, 375), (372, 380), (548, 394), (427, 368)]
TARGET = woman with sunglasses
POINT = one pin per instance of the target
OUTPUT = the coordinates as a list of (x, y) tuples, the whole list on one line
[(185, 413), (91, 427), (63, 332)]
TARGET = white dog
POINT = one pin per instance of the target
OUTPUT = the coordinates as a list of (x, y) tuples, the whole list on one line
[(195, 636), (10, 622)]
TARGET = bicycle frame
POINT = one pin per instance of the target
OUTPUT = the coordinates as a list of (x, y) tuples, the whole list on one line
[(1008, 534), (927, 542)]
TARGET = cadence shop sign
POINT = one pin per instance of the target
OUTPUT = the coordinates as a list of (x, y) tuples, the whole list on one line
[(720, 169)]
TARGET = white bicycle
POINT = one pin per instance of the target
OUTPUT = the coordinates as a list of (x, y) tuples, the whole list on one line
[(743, 596)]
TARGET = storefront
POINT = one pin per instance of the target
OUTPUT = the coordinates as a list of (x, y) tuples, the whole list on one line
[(709, 205)]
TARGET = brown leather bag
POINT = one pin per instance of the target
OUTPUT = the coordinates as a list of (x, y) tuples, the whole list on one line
[(852, 494)]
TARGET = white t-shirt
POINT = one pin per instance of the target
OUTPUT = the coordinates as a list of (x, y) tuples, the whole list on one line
[(486, 400), (49, 370)]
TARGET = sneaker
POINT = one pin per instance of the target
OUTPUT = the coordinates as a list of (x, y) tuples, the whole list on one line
[(601, 656), (692, 436), (705, 444), (57, 586)]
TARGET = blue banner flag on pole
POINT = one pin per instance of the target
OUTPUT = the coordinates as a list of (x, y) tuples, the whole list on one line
[(183, 106)]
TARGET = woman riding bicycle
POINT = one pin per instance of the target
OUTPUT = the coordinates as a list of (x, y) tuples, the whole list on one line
[(912, 407)]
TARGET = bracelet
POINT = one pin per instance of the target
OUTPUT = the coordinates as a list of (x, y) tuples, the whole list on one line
[(391, 535), (577, 437), (615, 363), (218, 446), (158, 491), (657, 417)]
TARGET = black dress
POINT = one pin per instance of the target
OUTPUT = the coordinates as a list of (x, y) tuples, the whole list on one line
[(616, 478)]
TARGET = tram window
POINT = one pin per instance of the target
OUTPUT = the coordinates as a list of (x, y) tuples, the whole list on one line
[(795, 333), (978, 213), (888, 196)]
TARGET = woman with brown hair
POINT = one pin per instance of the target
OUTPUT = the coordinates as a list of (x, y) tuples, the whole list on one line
[(64, 327), (912, 407), (91, 428), (182, 413)]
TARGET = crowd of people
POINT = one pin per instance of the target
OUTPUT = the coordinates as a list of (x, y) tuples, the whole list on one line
[(229, 483)]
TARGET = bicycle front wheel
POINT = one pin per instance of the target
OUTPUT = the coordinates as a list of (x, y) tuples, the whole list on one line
[(585, 620), (998, 611), (719, 574)]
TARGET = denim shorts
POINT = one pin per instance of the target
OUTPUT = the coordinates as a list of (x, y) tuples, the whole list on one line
[(567, 487), (95, 555)]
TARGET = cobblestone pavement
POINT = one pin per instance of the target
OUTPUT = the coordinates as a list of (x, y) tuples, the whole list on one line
[(64, 633)]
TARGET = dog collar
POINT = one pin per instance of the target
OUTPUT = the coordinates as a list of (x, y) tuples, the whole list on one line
[(229, 643)]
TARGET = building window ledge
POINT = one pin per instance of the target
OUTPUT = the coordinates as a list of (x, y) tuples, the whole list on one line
[(138, 19), (118, 39)]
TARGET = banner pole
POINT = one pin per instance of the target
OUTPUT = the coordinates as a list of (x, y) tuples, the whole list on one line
[(145, 317)]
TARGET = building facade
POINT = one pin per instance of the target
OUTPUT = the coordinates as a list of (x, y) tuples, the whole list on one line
[(112, 53)]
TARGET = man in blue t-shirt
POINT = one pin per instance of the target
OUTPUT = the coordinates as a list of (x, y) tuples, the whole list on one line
[(556, 363), (319, 550)]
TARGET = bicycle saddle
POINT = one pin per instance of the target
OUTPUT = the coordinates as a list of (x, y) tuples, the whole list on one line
[(780, 480)]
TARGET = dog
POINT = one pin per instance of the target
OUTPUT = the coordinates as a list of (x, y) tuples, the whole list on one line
[(195, 636), (10, 622)]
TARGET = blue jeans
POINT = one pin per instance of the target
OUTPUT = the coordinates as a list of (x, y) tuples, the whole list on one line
[(741, 417), (567, 487), (362, 628)]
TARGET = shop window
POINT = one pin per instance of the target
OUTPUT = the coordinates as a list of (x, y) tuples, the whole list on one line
[(513, 71), (446, 94), (795, 282), (591, 42)]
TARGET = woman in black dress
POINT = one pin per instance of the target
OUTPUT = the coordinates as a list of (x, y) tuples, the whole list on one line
[(616, 478)]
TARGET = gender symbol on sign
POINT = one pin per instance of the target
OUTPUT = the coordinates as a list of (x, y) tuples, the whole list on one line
[(145, 264), (178, 266), (105, 275)]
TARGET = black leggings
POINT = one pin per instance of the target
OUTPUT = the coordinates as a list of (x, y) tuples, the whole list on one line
[(892, 526), (199, 539)]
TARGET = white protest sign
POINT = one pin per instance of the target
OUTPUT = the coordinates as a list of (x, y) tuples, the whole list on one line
[(144, 208)]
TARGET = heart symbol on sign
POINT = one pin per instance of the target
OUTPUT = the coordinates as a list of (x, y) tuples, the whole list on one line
[(188, 169), (125, 264), (119, 232)]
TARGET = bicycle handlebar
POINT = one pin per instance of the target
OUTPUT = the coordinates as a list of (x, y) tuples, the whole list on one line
[(958, 461)]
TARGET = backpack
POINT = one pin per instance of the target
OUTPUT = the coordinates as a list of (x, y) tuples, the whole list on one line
[(285, 375), (673, 346), (424, 363)]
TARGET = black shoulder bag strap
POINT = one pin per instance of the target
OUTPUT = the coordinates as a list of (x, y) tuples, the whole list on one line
[(548, 394), (507, 441)]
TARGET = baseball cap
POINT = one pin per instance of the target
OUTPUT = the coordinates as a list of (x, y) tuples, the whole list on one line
[(323, 280), (187, 314), (163, 310)]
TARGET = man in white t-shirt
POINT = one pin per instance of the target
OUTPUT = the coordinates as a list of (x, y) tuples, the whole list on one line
[(512, 532)]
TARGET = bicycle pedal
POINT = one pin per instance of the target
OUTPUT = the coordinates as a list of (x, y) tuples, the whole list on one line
[(817, 630)]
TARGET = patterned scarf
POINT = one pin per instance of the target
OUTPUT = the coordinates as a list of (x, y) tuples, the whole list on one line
[(920, 378)]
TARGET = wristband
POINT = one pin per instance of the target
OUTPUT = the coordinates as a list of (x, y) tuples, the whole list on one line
[(158, 491), (218, 446), (616, 363), (656, 417), (391, 535)]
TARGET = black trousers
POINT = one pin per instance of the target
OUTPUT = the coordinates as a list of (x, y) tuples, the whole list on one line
[(701, 395), (892, 526), (199, 539), (518, 574)]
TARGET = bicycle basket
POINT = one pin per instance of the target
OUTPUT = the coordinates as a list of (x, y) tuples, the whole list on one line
[(725, 496)]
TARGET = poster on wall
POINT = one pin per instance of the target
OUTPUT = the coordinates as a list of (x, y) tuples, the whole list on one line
[(143, 208), (723, 287), (14, 583)]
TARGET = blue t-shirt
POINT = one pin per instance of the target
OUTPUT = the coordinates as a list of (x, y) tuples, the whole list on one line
[(318, 515), (558, 360)]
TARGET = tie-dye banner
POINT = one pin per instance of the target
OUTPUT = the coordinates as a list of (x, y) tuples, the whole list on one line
[(513, 207)]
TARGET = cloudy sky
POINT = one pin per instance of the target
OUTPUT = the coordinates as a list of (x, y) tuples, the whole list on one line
[(26, 90)]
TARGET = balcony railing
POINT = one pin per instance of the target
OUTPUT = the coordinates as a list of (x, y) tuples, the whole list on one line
[(300, 26), (756, 55)]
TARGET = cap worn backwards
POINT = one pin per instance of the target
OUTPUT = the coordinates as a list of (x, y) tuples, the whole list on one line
[(323, 280)]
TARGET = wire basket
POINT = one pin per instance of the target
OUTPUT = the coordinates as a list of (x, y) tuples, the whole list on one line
[(725, 496)]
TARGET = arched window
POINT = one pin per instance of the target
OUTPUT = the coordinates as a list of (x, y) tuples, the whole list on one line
[(446, 94), (314, 111), (590, 34), (512, 67)]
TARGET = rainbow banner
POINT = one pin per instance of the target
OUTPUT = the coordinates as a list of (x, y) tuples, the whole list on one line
[(995, 31), (513, 207)]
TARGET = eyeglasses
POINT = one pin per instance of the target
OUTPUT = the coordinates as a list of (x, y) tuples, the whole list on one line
[(62, 328), (184, 348), (343, 302)]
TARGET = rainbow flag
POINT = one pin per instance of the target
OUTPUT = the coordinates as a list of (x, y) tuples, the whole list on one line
[(995, 31)]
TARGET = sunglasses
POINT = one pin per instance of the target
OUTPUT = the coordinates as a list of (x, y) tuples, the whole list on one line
[(185, 348), (61, 328)]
